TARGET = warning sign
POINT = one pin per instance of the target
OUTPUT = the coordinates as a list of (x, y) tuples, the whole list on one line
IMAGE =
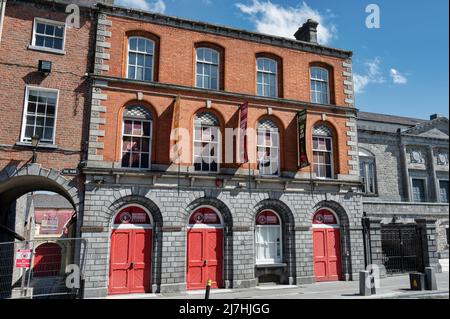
[(23, 258)]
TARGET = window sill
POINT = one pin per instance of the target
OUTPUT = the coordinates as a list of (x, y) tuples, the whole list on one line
[(273, 265), (40, 146), (370, 195), (47, 50)]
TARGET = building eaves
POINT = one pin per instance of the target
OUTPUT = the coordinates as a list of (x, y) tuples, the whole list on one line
[(390, 119), (216, 29)]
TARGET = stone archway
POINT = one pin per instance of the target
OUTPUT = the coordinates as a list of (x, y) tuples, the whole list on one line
[(33, 177), (16, 182), (344, 224), (157, 240), (288, 233), (228, 232)]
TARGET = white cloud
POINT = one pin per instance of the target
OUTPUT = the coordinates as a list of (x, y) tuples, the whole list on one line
[(373, 75), (397, 77), (282, 21), (155, 6)]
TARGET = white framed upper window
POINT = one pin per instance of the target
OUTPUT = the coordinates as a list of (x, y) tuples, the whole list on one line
[(268, 148), (320, 85), (141, 53), (136, 138), (207, 68), (39, 115), (267, 77), (268, 238), (48, 35), (206, 143), (323, 151)]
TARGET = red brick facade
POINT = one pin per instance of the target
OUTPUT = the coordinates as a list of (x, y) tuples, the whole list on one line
[(175, 53), (19, 69)]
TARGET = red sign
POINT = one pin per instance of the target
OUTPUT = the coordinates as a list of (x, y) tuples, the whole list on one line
[(243, 137), (204, 216), (23, 258), (267, 218), (132, 215), (325, 217)]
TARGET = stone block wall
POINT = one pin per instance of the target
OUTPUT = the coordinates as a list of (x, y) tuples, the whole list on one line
[(171, 210)]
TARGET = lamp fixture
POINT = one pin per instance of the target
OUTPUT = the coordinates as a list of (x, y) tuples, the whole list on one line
[(35, 139)]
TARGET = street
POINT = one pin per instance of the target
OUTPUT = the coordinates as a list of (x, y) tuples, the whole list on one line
[(391, 288)]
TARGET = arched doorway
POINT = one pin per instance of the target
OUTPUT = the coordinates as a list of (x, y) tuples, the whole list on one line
[(327, 246), (47, 260), (268, 238), (204, 249), (131, 251)]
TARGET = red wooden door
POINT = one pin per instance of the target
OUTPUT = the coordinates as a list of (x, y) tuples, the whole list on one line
[(327, 254), (204, 257), (130, 266), (47, 260)]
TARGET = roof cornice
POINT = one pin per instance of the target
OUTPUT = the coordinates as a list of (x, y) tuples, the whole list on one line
[(204, 27)]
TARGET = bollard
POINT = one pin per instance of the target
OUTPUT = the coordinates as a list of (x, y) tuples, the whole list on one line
[(430, 279), (364, 283), (208, 288), (373, 288), (417, 281)]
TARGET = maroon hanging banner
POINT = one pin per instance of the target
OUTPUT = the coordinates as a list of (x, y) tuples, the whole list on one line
[(303, 156), (243, 132)]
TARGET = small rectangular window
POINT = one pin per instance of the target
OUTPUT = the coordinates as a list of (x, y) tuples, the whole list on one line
[(40, 115), (418, 190), (367, 173), (48, 35), (443, 191)]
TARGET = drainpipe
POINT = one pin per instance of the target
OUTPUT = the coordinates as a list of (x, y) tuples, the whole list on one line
[(404, 165), (2, 16)]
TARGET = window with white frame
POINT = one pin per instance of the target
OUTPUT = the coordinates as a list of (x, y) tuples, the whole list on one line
[(323, 151), (367, 172), (40, 115), (141, 52), (48, 34), (320, 89), (267, 77), (208, 69), (268, 240), (443, 191), (418, 190), (136, 138), (206, 143), (268, 148)]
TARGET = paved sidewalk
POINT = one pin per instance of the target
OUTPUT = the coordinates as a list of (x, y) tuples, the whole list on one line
[(391, 287)]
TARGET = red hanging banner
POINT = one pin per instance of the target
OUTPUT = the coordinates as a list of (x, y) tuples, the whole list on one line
[(243, 132)]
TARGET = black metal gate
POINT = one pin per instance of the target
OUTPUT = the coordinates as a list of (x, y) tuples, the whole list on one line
[(402, 248)]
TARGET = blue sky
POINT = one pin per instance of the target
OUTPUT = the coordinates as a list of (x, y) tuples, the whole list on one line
[(400, 68)]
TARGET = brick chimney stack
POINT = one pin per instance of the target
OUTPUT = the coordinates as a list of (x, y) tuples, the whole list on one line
[(307, 32)]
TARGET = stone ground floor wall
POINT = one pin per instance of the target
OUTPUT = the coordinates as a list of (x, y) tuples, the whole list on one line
[(171, 209), (430, 218)]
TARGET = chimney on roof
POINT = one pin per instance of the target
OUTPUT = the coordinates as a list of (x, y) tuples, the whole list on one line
[(307, 32), (435, 116)]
